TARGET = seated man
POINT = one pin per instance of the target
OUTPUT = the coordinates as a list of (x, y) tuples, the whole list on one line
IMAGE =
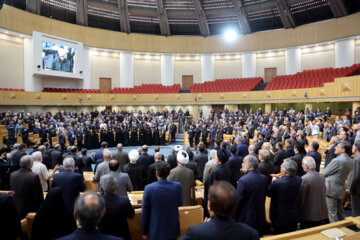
[(89, 210), (221, 206)]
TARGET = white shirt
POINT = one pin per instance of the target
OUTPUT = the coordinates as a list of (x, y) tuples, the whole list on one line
[(41, 170)]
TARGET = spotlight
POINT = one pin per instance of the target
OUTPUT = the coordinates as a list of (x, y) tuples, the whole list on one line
[(230, 35)]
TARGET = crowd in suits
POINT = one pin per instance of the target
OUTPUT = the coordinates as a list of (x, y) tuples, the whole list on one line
[(287, 171), (90, 129)]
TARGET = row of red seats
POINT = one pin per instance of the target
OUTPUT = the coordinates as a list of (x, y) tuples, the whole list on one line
[(149, 88), (311, 78), (71, 90), (227, 85), (12, 89)]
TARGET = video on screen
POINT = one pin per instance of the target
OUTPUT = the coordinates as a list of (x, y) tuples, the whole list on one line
[(57, 57)]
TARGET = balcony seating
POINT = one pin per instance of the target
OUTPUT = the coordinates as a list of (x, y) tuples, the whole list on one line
[(227, 85), (148, 88), (311, 78), (71, 90)]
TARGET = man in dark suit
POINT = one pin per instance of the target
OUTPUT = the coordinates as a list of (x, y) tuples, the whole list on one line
[(289, 148), (201, 159), (221, 205), (157, 221), (118, 209), (15, 158), (266, 166), (279, 157), (89, 210), (135, 171), (56, 156), (241, 148), (172, 157), (45, 157), (234, 162), (313, 147), (251, 193), (330, 153), (151, 176), (70, 183), (285, 197), (10, 219), (354, 181), (27, 186), (145, 159)]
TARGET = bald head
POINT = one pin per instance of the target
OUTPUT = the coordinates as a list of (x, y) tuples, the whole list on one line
[(145, 148), (119, 147), (158, 156), (114, 165), (89, 209)]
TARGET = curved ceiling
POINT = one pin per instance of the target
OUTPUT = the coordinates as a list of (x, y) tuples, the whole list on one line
[(189, 17)]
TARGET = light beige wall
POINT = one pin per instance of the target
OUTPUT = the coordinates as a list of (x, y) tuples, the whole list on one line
[(270, 60), (147, 71), (54, 82), (318, 57), (227, 66), (107, 65), (357, 51), (187, 65), (11, 61), (206, 110)]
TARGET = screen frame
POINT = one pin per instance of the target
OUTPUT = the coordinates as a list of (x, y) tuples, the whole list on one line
[(78, 70)]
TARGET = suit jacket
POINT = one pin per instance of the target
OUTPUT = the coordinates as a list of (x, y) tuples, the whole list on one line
[(220, 228), (151, 175), (56, 158), (121, 157), (137, 175), (157, 221), (10, 219), (71, 184), (46, 160), (313, 197), (185, 177), (290, 152), (285, 201), (172, 160), (354, 176), (114, 222), (330, 155), (298, 159), (87, 161), (266, 168), (201, 159), (335, 176), (317, 158), (242, 150), (123, 182), (92, 234), (15, 159), (279, 157), (145, 160), (29, 194), (251, 193), (235, 163)]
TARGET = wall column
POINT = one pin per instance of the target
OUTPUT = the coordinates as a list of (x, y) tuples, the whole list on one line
[(249, 65), (344, 53), (267, 107), (195, 112), (207, 68), (167, 70), (159, 108), (87, 69), (308, 105), (126, 70), (293, 60), (355, 105), (31, 83)]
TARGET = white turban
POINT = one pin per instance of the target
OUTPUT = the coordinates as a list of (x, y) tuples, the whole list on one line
[(182, 157)]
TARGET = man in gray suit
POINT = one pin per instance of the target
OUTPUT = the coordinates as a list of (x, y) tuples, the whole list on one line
[(185, 176), (335, 176), (103, 167), (124, 184), (313, 196), (120, 156), (354, 181)]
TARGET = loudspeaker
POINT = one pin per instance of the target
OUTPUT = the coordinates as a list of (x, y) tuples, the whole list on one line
[(1, 4)]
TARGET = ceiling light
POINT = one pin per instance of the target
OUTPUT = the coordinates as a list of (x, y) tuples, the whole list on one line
[(230, 35)]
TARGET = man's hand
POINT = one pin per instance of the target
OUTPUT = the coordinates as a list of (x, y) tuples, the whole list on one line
[(145, 237), (10, 193)]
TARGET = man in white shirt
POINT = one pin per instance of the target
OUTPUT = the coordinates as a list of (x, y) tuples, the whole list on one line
[(40, 169)]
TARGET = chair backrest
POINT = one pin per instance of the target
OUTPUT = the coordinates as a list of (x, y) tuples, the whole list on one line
[(30, 219), (189, 216)]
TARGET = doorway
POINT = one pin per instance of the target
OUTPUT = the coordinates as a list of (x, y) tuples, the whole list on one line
[(105, 85), (218, 108), (187, 82), (270, 73)]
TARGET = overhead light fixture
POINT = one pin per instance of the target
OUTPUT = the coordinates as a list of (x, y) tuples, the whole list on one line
[(230, 35)]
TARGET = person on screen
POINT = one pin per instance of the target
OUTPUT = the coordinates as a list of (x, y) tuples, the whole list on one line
[(61, 63), (49, 53)]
